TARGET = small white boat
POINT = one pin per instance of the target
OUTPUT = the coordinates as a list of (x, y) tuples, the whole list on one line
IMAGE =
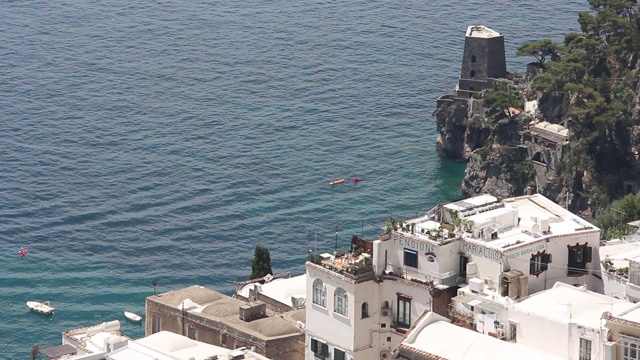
[(131, 316), (43, 308)]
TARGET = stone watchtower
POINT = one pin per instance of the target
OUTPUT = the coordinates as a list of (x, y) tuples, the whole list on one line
[(483, 60)]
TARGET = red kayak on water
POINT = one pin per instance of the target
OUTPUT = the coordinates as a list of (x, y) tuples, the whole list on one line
[(356, 179), (23, 252)]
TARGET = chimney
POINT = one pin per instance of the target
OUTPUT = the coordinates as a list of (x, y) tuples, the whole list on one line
[(253, 310)]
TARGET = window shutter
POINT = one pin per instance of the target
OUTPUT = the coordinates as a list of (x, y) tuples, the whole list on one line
[(587, 254), (325, 349), (314, 345), (546, 258)]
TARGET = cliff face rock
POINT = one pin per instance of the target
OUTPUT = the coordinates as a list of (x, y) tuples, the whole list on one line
[(499, 170), (459, 136)]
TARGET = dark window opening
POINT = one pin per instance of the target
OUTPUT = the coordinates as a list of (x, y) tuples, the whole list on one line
[(365, 310), (320, 349), (470, 88), (463, 266), (539, 157), (472, 74), (539, 263), (473, 58), (404, 312), (155, 323), (411, 258), (338, 354), (191, 333), (579, 257)]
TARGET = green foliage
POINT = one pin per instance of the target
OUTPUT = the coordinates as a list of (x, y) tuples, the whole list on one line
[(594, 79), (613, 221), (499, 100), (261, 263), (541, 50)]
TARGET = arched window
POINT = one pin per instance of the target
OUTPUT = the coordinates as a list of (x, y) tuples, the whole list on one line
[(472, 74), (319, 293), (340, 302), (365, 310), (473, 58)]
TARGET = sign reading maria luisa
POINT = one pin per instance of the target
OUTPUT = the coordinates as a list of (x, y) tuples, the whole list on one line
[(474, 249), (532, 250), (415, 244)]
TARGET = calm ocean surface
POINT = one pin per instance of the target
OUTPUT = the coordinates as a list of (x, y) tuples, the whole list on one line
[(145, 141)]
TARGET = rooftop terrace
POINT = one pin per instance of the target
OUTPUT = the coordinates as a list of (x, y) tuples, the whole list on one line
[(481, 31), (500, 225), (212, 305)]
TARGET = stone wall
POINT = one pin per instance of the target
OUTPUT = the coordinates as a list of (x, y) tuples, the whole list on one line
[(216, 332)]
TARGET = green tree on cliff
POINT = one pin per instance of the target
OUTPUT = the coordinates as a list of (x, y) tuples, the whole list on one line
[(541, 50), (261, 263), (498, 101)]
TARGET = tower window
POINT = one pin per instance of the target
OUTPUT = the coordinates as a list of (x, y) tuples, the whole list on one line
[(472, 74), (473, 58)]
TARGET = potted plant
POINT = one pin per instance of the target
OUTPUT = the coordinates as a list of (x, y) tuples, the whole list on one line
[(392, 225)]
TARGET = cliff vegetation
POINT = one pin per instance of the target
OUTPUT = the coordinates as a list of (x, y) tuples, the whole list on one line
[(589, 85)]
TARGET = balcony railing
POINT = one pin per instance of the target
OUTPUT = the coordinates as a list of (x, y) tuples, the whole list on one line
[(446, 279), (358, 268)]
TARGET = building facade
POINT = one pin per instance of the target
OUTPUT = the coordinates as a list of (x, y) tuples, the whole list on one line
[(214, 318), (479, 253)]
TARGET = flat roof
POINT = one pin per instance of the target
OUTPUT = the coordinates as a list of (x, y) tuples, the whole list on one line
[(472, 202), (93, 337), (441, 338), (225, 309), (481, 31), (632, 314), (561, 222), (565, 303), (165, 345), (620, 252), (281, 290), (483, 304), (57, 351)]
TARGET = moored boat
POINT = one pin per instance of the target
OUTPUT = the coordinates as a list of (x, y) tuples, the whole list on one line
[(43, 308), (133, 317), (336, 182)]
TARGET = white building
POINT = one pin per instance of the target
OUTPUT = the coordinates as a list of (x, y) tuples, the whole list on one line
[(89, 343), (434, 337), (620, 268), (282, 294), (566, 321), (165, 345), (361, 304)]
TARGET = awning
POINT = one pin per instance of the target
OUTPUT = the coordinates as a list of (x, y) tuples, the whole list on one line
[(481, 304), (57, 351)]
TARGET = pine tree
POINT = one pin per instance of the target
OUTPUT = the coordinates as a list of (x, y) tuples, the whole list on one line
[(261, 263)]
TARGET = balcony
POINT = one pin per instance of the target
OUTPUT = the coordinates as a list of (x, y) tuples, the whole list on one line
[(632, 291), (430, 278), (356, 268)]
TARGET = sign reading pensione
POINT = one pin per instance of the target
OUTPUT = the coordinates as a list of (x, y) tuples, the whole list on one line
[(415, 244)]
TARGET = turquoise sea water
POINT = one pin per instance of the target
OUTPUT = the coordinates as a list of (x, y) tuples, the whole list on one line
[(163, 141)]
